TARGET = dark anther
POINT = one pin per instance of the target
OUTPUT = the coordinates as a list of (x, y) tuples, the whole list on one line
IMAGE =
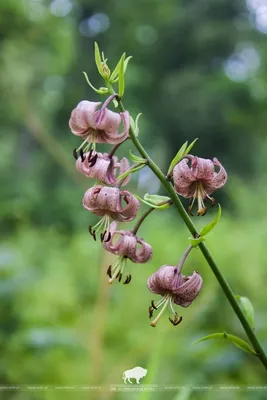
[(109, 272), (82, 155), (90, 155), (176, 320), (120, 277), (93, 160), (102, 236), (128, 279), (92, 233), (125, 256), (75, 155), (108, 238), (153, 305), (150, 311), (189, 211)]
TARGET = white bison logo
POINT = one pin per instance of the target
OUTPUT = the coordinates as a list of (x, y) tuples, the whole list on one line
[(137, 373)]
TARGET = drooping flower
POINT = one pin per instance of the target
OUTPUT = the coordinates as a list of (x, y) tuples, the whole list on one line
[(112, 204), (102, 167), (97, 125), (198, 180), (126, 245), (175, 288)]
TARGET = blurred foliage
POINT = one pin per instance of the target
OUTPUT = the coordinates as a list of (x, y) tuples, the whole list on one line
[(198, 70)]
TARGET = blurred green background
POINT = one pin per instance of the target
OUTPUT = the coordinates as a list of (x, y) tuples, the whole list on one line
[(199, 69)]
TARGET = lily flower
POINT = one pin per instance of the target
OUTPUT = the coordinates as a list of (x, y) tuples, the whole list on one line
[(103, 168), (198, 180), (95, 125), (175, 288), (126, 245), (112, 204)]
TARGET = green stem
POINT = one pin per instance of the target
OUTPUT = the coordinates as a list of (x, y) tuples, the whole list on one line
[(205, 251)]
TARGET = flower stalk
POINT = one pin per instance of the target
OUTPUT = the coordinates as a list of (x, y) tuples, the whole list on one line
[(204, 249)]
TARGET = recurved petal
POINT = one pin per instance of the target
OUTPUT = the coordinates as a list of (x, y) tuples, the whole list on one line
[(114, 244), (127, 207), (108, 198), (182, 176), (219, 178), (83, 117), (161, 282), (124, 165), (90, 197), (116, 137), (203, 169), (142, 254), (188, 291), (109, 121)]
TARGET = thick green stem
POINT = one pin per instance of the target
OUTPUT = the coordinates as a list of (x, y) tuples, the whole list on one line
[(206, 253)]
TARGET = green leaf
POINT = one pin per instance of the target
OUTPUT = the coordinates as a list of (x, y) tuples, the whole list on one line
[(136, 130), (125, 65), (177, 158), (240, 343), (121, 77), (98, 60), (195, 242), (135, 158), (184, 150), (115, 73), (131, 171), (190, 146), (155, 200), (204, 231), (247, 308), (101, 90)]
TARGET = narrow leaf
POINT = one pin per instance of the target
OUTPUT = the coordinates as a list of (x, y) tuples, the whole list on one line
[(162, 207), (136, 130), (98, 60), (204, 231), (247, 308), (135, 158), (117, 68), (190, 146), (156, 199), (121, 77), (101, 90), (131, 171), (125, 65), (240, 343), (177, 158)]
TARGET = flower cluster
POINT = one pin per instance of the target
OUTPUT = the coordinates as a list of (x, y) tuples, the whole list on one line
[(97, 124), (193, 178)]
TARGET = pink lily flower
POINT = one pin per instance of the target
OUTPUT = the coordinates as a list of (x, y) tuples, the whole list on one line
[(126, 245), (112, 204), (198, 180), (103, 168), (175, 288), (96, 125)]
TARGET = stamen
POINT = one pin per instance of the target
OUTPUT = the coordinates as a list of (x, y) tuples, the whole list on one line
[(153, 305), (177, 320), (75, 155), (89, 155), (154, 323), (109, 272), (92, 233), (82, 155), (93, 160)]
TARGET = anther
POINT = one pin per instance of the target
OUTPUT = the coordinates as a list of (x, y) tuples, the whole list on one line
[(150, 311), (108, 238), (90, 155), (93, 160), (92, 233), (82, 155), (109, 272), (127, 280), (120, 277), (153, 305), (176, 320), (75, 155)]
